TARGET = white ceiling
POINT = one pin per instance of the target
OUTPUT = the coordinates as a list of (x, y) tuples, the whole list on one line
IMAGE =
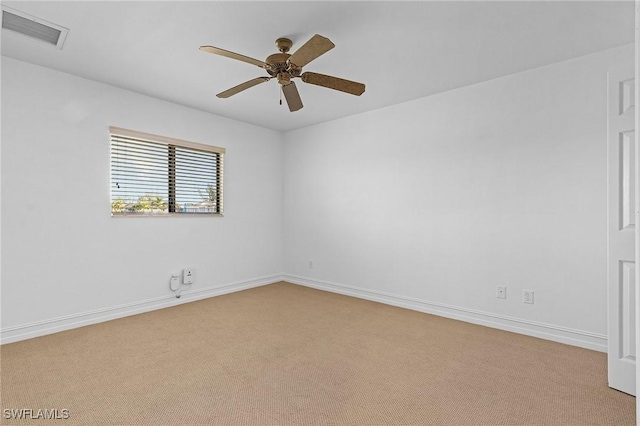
[(400, 50)]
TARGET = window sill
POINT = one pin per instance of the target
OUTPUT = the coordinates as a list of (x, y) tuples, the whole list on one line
[(128, 215)]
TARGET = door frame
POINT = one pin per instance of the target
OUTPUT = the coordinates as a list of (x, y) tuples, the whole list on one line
[(637, 189)]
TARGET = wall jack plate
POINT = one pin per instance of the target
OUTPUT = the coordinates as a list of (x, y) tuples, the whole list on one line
[(527, 296), (501, 292)]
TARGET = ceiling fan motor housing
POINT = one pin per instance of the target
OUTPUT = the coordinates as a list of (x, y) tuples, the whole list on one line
[(277, 63), (281, 69)]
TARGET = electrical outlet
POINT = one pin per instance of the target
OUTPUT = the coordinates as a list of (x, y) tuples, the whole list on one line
[(501, 292), (188, 275), (310, 264), (527, 296)]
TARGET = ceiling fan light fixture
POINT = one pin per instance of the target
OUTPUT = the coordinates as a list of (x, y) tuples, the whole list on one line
[(284, 78)]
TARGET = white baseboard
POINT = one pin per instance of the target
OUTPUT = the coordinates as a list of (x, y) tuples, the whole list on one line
[(555, 333), (68, 322), (565, 335)]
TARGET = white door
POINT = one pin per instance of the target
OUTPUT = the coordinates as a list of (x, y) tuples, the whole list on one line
[(621, 148)]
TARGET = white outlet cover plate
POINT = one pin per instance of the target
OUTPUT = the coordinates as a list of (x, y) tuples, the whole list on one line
[(501, 292)]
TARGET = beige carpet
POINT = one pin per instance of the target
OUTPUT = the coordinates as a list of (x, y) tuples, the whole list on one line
[(284, 354)]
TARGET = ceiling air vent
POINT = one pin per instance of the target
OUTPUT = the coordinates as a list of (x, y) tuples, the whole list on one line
[(35, 28)]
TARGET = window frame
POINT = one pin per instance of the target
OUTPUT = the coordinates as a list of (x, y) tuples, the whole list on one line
[(171, 144)]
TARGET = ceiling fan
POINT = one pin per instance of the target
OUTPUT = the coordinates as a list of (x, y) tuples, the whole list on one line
[(285, 67)]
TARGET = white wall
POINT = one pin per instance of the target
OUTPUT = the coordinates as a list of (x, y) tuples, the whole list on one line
[(65, 260), (428, 204), (433, 203)]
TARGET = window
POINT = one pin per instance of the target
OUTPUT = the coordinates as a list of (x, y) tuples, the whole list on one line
[(158, 176)]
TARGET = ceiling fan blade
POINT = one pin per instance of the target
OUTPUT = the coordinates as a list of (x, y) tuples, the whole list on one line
[(334, 83), (314, 47), (292, 96), (242, 86), (234, 55)]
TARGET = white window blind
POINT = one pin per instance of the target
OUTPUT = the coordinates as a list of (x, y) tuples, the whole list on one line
[(156, 175)]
